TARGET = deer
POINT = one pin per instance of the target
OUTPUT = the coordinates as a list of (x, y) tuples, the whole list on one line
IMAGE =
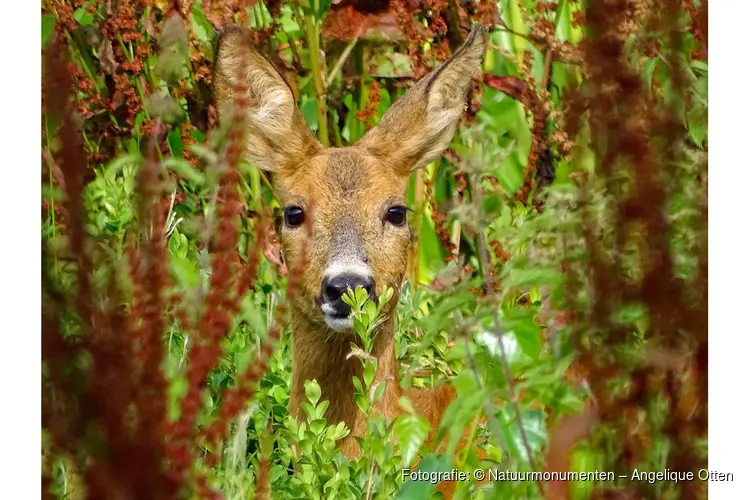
[(359, 232)]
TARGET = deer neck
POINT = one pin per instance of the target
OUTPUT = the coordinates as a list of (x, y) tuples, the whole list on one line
[(324, 356)]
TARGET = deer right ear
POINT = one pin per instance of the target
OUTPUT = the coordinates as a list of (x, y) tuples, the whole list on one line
[(420, 125), (278, 136)]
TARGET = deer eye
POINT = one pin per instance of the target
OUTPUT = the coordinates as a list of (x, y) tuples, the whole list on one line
[(294, 216), (396, 215)]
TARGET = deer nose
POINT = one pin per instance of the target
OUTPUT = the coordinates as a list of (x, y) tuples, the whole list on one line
[(335, 288)]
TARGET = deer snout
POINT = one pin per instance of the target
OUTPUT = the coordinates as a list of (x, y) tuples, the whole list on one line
[(335, 287)]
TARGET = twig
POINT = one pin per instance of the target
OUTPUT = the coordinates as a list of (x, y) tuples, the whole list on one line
[(456, 237), (547, 68), (342, 59)]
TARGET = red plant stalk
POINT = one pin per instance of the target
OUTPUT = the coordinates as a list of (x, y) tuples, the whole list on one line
[(625, 122), (94, 411), (247, 380), (216, 318)]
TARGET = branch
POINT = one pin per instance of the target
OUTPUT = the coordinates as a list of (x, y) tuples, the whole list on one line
[(342, 59)]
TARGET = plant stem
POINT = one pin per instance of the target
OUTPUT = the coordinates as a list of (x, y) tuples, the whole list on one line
[(340, 63), (313, 44), (255, 188), (484, 259), (419, 201), (456, 237)]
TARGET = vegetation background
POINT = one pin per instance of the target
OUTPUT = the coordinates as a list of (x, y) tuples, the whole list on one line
[(559, 265)]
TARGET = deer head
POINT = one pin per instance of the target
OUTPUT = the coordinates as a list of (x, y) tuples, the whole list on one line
[(354, 196)]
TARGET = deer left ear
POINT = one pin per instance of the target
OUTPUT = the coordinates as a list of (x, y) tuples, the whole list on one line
[(420, 125), (277, 135)]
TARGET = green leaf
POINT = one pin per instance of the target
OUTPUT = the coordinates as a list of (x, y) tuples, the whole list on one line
[(379, 390), (648, 72), (492, 204), (338, 432), (405, 403), (385, 297), (321, 409), (368, 373), (357, 384), (83, 17), (48, 27), (697, 119), (510, 173), (312, 391), (518, 25), (699, 65), (174, 138), (177, 390), (411, 432), (521, 323), (119, 163), (185, 271), (360, 294), (254, 316), (361, 402), (533, 425), (419, 490), (185, 169), (309, 109), (371, 310), (527, 277), (430, 250), (204, 30), (317, 426)]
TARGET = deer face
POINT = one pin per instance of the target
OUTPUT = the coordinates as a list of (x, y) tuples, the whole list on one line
[(352, 197), (359, 232)]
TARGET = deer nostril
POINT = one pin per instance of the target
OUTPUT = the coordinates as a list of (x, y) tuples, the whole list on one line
[(334, 293)]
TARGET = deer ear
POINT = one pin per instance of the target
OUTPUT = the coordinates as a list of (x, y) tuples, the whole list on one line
[(278, 136), (420, 125)]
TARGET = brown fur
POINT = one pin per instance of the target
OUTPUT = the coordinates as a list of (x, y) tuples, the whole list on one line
[(349, 189)]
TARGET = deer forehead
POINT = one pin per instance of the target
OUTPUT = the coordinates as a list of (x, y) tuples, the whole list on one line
[(340, 184)]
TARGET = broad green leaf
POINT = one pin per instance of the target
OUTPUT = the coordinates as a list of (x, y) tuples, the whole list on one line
[(82, 16), (411, 432), (48, 27), (527, 277), (204, 30), (420, 490), (317, 426), (518, 25), (185, 271), (309, 109), (523, 326)]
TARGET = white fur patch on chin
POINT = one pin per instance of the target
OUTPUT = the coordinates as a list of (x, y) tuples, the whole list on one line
[(339, 324)]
